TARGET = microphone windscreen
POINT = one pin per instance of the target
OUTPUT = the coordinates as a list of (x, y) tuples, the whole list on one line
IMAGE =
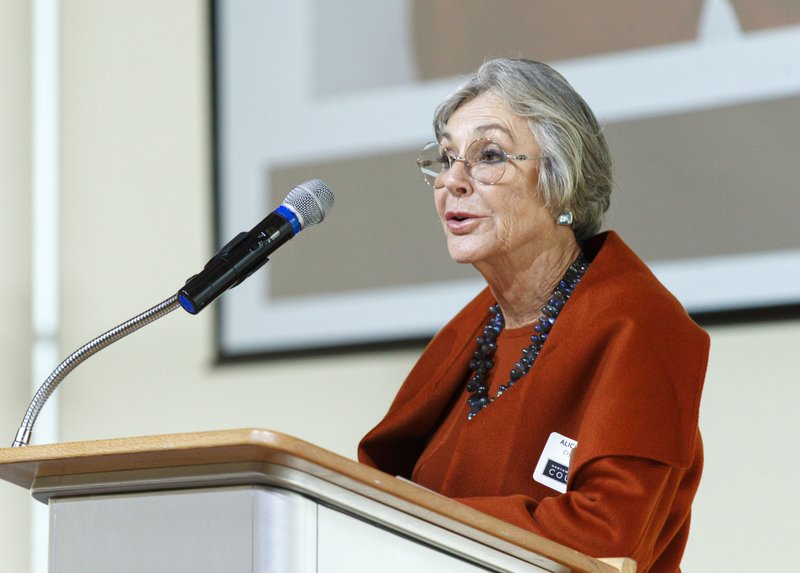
[(311, 201)]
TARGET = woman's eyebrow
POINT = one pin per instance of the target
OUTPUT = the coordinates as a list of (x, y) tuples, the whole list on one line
[(483, 129), (492, 127)]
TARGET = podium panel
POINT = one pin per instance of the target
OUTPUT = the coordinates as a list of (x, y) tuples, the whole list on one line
[(342, 541), (237, 530), (246, 529)]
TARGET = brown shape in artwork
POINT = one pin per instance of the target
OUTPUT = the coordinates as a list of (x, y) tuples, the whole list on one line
[(761, 14), (454, 36)]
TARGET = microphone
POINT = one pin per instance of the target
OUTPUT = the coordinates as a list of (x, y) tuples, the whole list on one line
[(305, 206)]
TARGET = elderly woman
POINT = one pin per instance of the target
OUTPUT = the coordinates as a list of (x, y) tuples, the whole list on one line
[(564, 398)]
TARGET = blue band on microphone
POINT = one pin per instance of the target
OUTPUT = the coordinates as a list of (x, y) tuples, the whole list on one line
[(187, 304), (290, 216)]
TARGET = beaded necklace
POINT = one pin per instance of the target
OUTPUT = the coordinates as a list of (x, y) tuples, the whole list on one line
[(482, 362)]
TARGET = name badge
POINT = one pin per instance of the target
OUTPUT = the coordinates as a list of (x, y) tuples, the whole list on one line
[(552, 469)]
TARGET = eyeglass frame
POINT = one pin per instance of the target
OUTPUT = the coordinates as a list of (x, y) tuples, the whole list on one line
[(451, 160)]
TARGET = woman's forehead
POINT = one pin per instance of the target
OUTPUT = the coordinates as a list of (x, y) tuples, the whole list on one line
[(482, 116)]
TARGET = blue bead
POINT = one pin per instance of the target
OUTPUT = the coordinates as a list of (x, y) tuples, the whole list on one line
[(550, 310)]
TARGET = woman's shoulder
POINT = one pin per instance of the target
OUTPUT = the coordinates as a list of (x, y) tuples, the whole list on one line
[(646, 356), (621, 287)]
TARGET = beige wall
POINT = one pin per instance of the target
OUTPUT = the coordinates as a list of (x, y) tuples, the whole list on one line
[(745, 515), (137, 221), (15, 298)]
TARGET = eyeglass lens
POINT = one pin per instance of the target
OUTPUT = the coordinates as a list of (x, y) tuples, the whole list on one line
[(484, 160)]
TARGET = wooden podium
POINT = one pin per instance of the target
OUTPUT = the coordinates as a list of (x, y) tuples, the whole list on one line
[(258, 501)]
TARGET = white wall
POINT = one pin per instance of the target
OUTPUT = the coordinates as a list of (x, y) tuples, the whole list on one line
[(137, 220)]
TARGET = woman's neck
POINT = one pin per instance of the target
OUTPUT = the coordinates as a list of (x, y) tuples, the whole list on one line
[(523, 283)]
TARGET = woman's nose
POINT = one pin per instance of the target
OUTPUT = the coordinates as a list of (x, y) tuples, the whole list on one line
[(456, 179)]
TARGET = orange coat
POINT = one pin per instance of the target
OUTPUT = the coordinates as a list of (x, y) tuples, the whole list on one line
[(621, 373)]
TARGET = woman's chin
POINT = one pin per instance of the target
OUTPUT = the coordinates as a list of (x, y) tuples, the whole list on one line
[(469, 249), (464, 256)]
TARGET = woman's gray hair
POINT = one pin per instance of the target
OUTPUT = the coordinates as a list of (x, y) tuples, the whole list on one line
[(575, 171)]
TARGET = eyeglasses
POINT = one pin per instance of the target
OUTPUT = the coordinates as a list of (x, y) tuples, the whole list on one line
[(485, 161)]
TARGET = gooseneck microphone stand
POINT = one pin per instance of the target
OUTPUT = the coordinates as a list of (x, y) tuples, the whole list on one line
[(305, 206), (77, 357)]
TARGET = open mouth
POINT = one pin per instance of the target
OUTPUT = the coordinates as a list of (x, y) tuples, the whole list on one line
[(458, 216), (460, 222)]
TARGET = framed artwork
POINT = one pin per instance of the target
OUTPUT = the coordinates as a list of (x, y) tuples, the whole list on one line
[(700, 101)]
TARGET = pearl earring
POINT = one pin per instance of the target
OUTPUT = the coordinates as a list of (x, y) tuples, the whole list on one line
[(565, 218)]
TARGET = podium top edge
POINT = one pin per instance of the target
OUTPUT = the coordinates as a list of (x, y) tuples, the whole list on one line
[(22, 465), (115, 446)]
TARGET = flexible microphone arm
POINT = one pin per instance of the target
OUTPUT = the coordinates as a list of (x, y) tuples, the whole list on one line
[(77, 357), (306, 205)]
